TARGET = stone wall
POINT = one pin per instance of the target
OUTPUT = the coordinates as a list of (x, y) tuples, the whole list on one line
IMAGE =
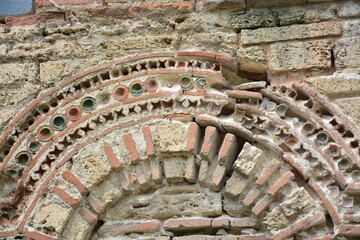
[(180, 119)]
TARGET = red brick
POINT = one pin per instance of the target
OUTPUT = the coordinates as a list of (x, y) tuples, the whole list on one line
[(142, 176), (243, 94), (150, 150), (253, 237), (38, 236), (220, 222), (211, 143), (228, 151), (236, 223), (353, 188), (187, 223), (95, 204), (131, 147), (261, 205), (333, 213), (308, 222), (156, 173), (228, 62), (268, 171), (218, 178), (250, 197), (87, 216), (281, 182), (193, 138), (8, 234), (249, 109), (131, 227), (65, 197), (206, 55), (349, 230), (113, 160), (34, 19), (327, 237), (71, 178), (286, 233)]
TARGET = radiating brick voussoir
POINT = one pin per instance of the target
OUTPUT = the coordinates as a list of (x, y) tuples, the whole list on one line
[(228, 151), (193, 138), (211, 143)]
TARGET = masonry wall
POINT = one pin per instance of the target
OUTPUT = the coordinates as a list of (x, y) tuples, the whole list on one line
[(312, 42)]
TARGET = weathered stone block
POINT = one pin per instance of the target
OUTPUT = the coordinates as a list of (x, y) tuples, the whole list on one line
[(349, 9), (57, 70), (236, 184), (3, 50), (12, 94), (182, 201), (14, 72), (314, 30), (211, 5), (300, 55), (270, 3), (350, 107), (76, 228), (90, 166), (347, 52), (252, 59), (174, 169), (338, 85), (170, 137), (52, 216), (248, 159)]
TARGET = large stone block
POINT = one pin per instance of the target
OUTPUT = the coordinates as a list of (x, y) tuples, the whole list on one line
[(314, 30), (76, 228), (12, 94), (338, 85), (351, 107), (252, 59), (347, 52), (300, 55), (52, 217), (349, 9), (248, 160), (170, 137), (17, 72)]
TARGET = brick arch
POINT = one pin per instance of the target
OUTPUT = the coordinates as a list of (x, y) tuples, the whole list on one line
[(293, 122)]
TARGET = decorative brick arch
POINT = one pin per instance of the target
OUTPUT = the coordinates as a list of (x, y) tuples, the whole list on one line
[(153, 126)]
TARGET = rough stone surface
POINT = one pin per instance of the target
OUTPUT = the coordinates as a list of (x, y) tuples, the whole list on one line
[(300, 55), (170, 137), (52, 216)]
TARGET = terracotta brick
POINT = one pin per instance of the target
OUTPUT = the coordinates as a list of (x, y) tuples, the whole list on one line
[(191, 170), (281, 182), (268, 171), (95, 204), (218, 178), (211, 143), (349, 230), (34, 19), (261, 205), (250, 197), (243, 94), (150, 150), (38, 236), (228, 151), (124, 182), (156, 172), (220, 222), (329, 206), (308, 222), (113, 160), (253, 237), (236, 223), (87, 216), (123, 227), (327, 237), (283, 234), (187, 223), (71, 178), (131, 147), (8, 233), (142, 176), (193, 138), (65, 197)]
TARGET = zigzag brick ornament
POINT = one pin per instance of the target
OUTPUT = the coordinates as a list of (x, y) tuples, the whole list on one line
[(180, 120)]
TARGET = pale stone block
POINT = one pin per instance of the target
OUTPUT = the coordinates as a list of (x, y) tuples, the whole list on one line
[(174, 169), (17, 72), (350, 107), (76, 228), (314, 30), (248, 159), (300, 55), (270, 3), (170, 137), (349, 9), (52, 216), (252, 59), (347, 52)]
